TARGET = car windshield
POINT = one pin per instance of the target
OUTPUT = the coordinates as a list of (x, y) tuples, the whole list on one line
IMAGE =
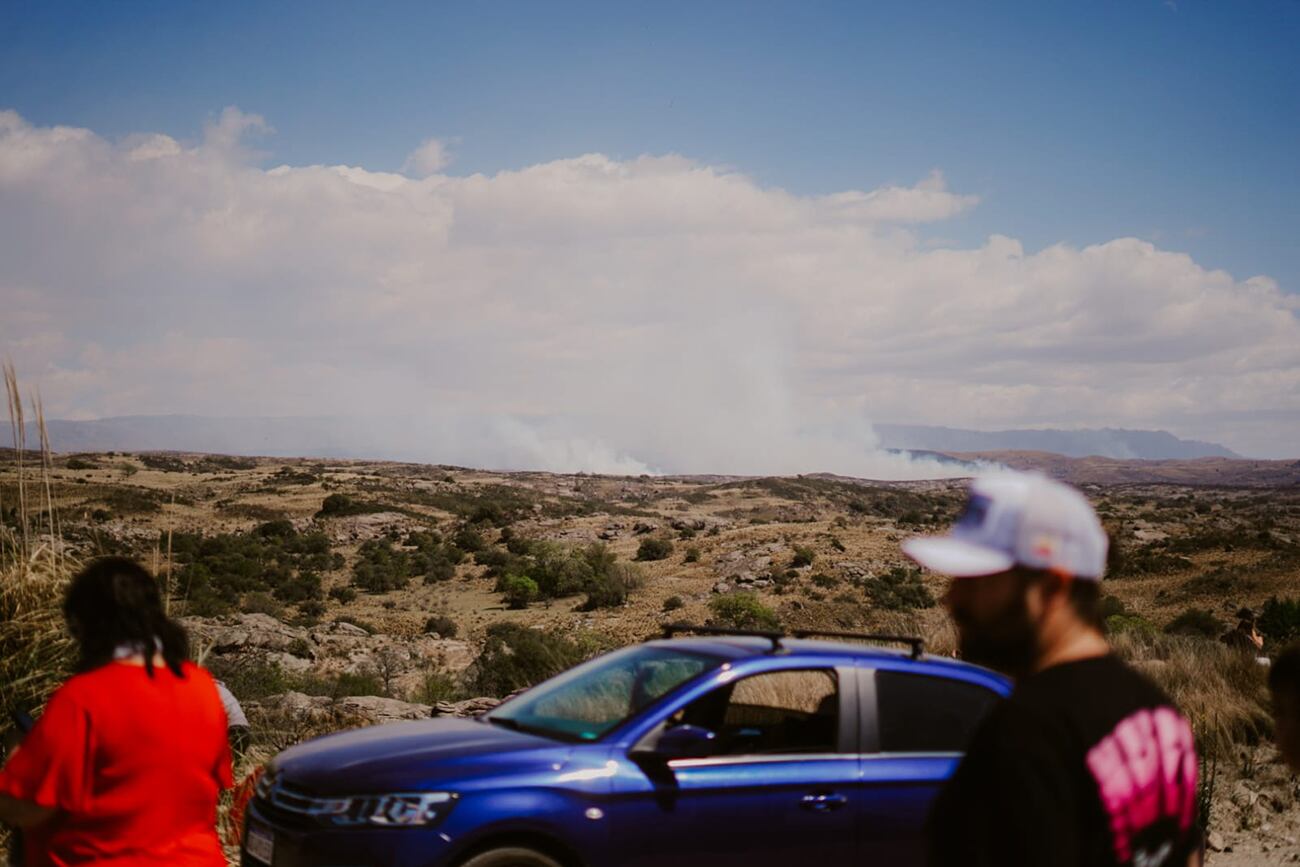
[(590, 700)]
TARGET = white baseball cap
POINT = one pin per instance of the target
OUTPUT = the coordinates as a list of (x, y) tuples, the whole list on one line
[(1021, 519)]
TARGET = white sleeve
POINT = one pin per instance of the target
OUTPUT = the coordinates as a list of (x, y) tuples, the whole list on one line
[(234, 713)]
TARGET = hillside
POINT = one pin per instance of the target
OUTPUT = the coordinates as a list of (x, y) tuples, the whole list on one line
[(330, 593), (1086, 442)]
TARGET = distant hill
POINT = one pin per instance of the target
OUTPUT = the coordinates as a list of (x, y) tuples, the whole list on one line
[(321, 437), (1194, 472), (1151, 445)]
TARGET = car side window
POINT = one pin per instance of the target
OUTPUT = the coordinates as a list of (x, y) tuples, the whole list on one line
[(920, 713), (774, 713)]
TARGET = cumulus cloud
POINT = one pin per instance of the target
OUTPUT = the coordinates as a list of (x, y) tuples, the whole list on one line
[(429, 158), (592, 313)]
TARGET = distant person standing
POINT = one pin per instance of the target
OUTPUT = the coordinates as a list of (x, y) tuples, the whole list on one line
[(1087, 763), (126, 764)]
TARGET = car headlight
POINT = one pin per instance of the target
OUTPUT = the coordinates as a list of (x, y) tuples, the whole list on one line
[(401, 810), (395, 810)]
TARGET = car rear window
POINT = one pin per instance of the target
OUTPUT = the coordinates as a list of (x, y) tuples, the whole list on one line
[(922, 713)]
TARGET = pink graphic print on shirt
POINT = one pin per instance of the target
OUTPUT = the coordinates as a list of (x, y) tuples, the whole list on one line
[(1145, 771)]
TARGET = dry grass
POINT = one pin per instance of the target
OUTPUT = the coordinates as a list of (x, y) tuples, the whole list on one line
[(1223, 692)]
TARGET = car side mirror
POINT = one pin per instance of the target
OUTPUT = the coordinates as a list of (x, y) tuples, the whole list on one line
[(682, 742)]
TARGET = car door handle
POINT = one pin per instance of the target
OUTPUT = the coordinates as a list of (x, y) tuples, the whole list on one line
[(823, 802)]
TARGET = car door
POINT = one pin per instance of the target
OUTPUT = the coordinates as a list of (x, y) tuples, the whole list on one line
[(915, 727), (780, 787)]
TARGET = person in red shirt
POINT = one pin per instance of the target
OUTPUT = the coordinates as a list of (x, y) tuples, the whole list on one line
[(126, 764)]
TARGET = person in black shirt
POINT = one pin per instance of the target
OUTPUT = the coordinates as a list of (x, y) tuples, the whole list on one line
[(1087, 763)]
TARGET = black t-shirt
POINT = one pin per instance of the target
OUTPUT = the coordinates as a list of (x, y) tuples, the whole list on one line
[(1087, 763)]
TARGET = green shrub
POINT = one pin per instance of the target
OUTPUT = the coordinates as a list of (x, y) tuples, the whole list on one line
[(519, 590), (611, 586), (312, 609), (514, 657), (899, 589), (342, 505), (343, 594), (1195, 622), (803, 556), (1119, 624), (263, 603), (441, 624), (469, 539), (1279, 621), (435, 687), (672, 603), (821, 579), (303, 587), (380, 567), (742, 610), (692, 555), (280, 528), (654, 549)]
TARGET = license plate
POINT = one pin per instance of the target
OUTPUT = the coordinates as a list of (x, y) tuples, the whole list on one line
[(260, 845)]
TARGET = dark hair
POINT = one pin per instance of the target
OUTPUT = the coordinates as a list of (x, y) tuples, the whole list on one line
[(1284, 673), (1084, 594), (115, 601)]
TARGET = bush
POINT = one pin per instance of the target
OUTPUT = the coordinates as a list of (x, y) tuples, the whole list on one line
[(821, 579), (803, 556), (469, 539), (654, 549), (437, 686), (380, 567), (742, 610), (519, 590), (899, 589), (303, 587), (263, 603), (672, 603), (443, 625), (692, 555), (514, 657), (1279, 622), (1195, 622), (343, 594), (1120, 624), (611, 586), (342, 505), (312, 609)]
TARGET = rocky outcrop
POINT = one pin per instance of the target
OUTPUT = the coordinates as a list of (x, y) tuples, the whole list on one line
[(329, 648)]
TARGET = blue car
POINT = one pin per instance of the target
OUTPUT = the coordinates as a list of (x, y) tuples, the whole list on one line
[(714, 750)]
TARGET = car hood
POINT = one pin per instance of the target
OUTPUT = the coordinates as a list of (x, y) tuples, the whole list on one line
[(412, 756)]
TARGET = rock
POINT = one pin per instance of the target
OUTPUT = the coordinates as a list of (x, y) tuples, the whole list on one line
[(466, 708), (244, 632), (643, 527), (1215, 841), (382, 709), (722, 587)]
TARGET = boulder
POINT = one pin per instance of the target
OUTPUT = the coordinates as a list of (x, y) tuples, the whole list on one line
[(466, 708)]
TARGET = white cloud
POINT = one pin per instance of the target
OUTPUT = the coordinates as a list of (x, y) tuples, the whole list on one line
[(429, 158), (598, 313)]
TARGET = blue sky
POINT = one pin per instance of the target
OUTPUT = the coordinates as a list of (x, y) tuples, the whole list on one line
[(1177, 122)]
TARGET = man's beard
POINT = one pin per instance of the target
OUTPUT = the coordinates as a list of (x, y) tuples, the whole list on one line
[(1006, 643)]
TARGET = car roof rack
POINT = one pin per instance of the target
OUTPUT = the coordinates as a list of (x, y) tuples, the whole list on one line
[(916, 643), (775, 637)]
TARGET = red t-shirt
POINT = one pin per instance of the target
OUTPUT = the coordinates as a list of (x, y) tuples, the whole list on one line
[(133, 764)]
